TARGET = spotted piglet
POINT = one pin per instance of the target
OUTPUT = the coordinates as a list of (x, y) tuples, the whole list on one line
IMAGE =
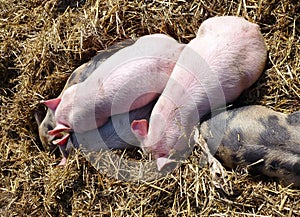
[(269, 141)]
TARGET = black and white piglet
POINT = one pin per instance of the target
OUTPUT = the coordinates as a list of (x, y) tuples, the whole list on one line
[(269, 141)]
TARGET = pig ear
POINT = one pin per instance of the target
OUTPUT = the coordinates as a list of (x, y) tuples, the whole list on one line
[(140, 128), (52, 103)]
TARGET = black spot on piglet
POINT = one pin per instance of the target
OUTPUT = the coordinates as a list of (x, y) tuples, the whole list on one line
[(274, 133), (294, 119), (286, 166), (234, 139), (274, 165), (254, 155), (296, 168)]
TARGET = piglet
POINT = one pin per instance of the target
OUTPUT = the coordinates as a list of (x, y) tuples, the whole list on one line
[(48, 122), (79, 75), (255, 136), (129, 79), (227, 56)]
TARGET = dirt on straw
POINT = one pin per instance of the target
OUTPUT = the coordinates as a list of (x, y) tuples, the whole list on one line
[(43, 41)]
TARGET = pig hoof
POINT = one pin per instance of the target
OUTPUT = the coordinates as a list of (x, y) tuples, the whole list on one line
[(165, 164), (63, 162)]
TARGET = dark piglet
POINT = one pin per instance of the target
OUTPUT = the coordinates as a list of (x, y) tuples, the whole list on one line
[(266, 140)]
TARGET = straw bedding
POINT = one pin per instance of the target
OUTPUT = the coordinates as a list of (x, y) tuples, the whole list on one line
[(42, 42)]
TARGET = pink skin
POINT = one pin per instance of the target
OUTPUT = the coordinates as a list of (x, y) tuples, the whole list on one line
[(227, 56), (47, 123), (129, 79), (63, 162)]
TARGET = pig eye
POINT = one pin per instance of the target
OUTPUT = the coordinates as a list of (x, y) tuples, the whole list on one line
[(49, 127)]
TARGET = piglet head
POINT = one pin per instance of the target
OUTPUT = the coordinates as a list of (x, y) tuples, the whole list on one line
[(60, 132), (140, 130)]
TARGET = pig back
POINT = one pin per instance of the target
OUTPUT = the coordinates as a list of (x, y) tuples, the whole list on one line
[(235, 51), (130, 79)]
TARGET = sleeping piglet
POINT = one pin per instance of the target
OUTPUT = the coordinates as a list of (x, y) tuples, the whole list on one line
[(227, 56), (115, 133), (269, 141), (129, 79), (48, 122)]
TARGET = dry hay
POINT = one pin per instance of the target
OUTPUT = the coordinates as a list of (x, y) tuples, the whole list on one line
[(43, 41)]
